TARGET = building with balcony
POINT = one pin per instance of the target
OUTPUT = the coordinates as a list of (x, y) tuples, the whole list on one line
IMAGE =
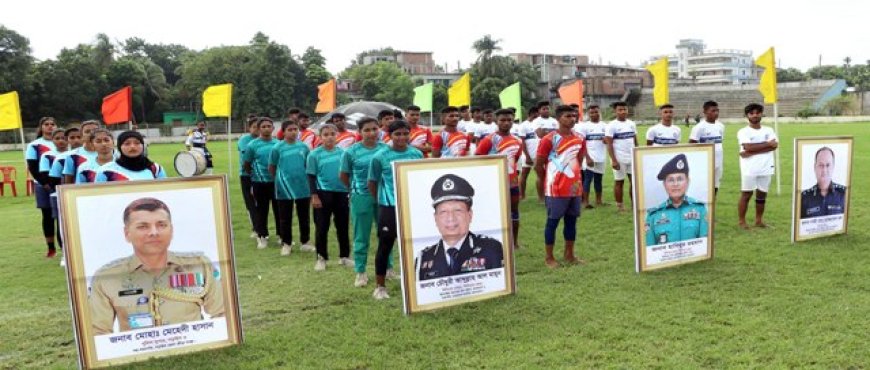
[(694, 64)]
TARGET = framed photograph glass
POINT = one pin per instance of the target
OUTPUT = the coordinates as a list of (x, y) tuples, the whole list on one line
[(673, 205), (822, 180), (454, 231), (150, 268)]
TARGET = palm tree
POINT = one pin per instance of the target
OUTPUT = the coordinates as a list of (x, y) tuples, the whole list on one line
[(484, 48)]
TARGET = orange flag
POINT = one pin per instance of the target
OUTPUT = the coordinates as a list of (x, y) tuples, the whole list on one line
[(326, 97), (572, 94), (118, 106)]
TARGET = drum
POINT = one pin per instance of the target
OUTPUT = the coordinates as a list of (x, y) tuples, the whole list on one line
[(190, 163)]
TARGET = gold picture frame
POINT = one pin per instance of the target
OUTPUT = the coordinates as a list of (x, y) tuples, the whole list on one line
[(667, 236), (94, 222), (815, 215), (487, 175)]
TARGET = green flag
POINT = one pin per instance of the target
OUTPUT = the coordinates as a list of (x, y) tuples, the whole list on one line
[(510, 97), (423, 97)]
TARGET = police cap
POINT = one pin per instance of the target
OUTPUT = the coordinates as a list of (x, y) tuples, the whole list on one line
[(678, 164), (451, 187)]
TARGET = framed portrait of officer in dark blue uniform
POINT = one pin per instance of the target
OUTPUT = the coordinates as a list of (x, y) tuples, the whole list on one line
[(150, 268), (822, 179), (454, 231), (673, 208)]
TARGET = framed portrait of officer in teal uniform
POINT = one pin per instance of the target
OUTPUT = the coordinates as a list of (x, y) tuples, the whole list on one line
[(150, 268), (454, 231), (822, 180), (673, 205)]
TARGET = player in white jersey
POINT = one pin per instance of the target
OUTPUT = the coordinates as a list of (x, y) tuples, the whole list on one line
[(464, 119), (757, 165), (621, 138), (710, 130), (530, 147), (596, 154), (664, 132)]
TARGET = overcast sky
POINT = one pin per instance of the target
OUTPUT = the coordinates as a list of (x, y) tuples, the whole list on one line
[(631, 33)]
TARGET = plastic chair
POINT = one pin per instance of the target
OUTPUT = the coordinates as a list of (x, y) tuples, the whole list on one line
[(31, 186), (9, 175)]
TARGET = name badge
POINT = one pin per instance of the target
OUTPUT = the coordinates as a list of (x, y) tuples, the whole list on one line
[(128, 292), (140, 320)]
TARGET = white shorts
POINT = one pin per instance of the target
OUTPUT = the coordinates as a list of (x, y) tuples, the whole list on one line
[(624, 169), (751, 183), (597, 167), (717, 176)]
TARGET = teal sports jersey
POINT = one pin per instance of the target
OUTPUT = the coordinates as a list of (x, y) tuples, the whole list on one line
[(381, 171), (242, 146), (324, 164), (290, 179), (356, 162), (258, 153)]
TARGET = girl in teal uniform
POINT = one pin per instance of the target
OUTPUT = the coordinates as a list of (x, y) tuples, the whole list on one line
[(287, 165), (244, 177), (257, 155), (381, 186), (32, 155), (363, 207), (328, 197)]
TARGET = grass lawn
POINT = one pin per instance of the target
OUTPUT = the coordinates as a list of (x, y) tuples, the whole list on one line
[(761, 302)]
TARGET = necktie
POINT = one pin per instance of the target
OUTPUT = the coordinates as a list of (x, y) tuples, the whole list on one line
[(454, 259)]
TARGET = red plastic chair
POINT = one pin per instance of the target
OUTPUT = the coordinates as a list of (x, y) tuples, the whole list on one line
[(9, 175)]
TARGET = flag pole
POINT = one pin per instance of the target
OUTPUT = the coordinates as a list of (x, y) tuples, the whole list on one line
[(776, 130), (229, 146), (23, 143)]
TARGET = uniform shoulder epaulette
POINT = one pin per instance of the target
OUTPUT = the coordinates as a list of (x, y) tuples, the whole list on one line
[(430, 249), (810, 191), (189, 254), (839, 187), (115, 263)]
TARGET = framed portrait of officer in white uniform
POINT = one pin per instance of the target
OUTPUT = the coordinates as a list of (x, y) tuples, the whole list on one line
[(150, 268), (673, 205), (454, 231), (822, 183)]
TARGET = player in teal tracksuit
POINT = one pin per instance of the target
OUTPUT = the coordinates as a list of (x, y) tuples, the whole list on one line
[(363, 207), (287, 165), (329, 197)]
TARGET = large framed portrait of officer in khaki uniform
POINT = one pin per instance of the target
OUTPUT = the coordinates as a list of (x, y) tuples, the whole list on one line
[(150, 268), (454, 231), (822, 183), (673, 208)]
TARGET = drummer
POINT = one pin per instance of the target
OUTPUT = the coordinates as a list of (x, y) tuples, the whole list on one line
[(197, 140)]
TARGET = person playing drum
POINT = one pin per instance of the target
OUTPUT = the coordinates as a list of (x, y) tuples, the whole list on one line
[(197, 140)]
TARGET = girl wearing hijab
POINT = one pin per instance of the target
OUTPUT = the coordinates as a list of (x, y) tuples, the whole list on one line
[(132, 164)]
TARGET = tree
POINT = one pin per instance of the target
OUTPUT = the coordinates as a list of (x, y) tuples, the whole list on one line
[(382, 81), (67, 88), (150, 89), (485, 48), (167, 56), (315, 73), (789, 75), (103, 51), (15, 60), (490, 77)]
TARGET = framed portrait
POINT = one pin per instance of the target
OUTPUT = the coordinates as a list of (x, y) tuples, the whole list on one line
[(150, 268), (673, 205), (822, 183), (454, 231)]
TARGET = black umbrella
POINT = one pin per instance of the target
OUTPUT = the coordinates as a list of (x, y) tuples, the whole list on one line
[(356, 111)]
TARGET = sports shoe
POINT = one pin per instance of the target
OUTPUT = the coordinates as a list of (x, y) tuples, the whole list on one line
[(380, 293), (361, 280), (262, 242), (307, 247), (279, 242), (254, 235), (51, 253), (320, 265), (345, 261), (286, 249), (392, 275)]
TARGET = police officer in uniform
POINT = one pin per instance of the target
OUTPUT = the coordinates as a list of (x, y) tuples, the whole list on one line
[(679, 217), (153, 286), (459, 251), (825, 197)]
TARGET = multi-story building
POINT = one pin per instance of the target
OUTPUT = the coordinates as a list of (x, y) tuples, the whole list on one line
[(693, 63)]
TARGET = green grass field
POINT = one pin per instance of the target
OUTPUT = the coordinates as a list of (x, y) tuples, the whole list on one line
[(760, 303)]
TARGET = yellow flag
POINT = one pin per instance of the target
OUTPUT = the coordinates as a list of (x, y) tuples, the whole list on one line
[(767, 86), (659, 71), (459, 93), (217, 100), (10, 111)]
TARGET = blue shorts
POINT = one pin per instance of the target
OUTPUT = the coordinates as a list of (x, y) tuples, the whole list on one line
[(558, 207), (42, 196)]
